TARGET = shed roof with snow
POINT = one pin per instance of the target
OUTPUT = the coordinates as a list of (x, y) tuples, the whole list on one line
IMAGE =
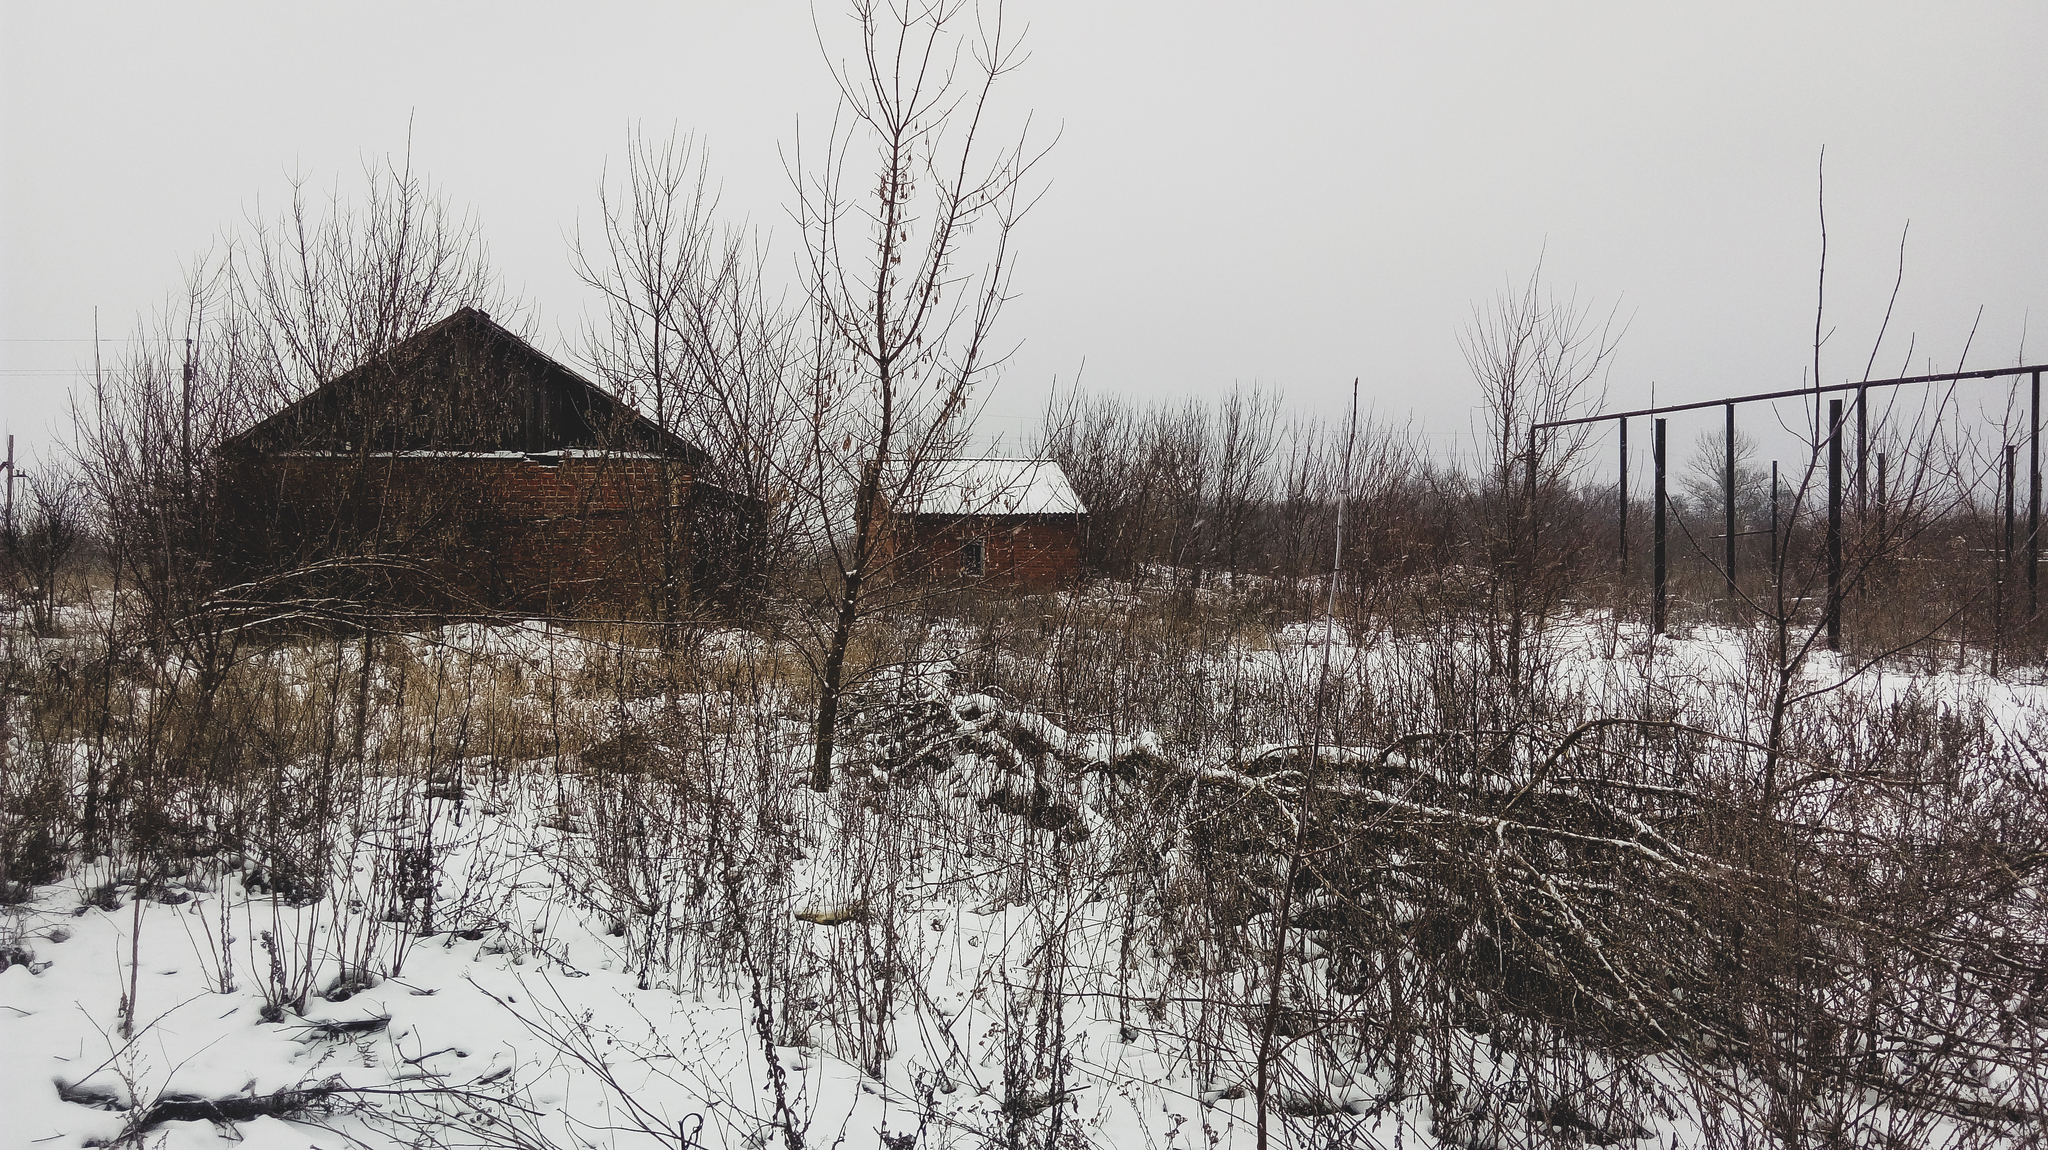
[(958, 487)]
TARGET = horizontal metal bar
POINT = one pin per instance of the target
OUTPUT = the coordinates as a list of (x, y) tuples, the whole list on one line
[(1795, 393)]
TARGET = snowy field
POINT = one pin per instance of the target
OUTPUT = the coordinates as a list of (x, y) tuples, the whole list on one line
[(525, 887)]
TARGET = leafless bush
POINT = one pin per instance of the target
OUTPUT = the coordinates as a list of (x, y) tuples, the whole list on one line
[(41, 541)]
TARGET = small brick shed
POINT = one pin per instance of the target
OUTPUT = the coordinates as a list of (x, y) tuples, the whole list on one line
[(1009, 523), (497, 477)]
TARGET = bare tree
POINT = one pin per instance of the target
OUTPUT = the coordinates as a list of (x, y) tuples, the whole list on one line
[(320, 291), (39, 543), (689, 333), (1095, 438), (145, 436), (1704, 486), (1537, 358), (1176, 447), (1245, 443), (902, 333)]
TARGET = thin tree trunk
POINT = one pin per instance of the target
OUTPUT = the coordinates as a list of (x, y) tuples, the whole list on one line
[(828, 700)]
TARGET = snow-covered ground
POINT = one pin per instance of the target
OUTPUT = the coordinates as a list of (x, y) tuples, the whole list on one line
[(630, 925)]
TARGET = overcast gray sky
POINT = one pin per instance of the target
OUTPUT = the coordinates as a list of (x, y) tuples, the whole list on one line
[(1292, 193)]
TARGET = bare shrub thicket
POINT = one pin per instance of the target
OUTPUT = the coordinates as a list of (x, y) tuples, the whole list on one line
[(1568, 918)]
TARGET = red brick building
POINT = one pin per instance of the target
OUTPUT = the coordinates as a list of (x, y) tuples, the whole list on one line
[(465, 469), (1009, 523)]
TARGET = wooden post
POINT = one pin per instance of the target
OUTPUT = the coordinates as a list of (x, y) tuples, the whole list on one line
[(185, 424), (1526, 570), (1529, 495), (2011, 486)]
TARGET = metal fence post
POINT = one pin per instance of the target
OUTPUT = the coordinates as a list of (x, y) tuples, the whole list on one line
[(1624, 494), (1862, 452), (2005, 553), (1657, 530), (1834, 607), (1774, 521), (1728, 538), (2034, 501), (1881, 508)]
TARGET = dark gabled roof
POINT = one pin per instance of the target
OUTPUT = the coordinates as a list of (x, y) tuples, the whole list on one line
[(464, 385)]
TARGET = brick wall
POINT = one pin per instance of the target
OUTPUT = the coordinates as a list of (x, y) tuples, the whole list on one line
[(567, 536), (1036, 552)]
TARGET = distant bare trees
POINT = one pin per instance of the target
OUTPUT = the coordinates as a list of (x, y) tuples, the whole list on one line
[(39, 539), (1194, 488), (1245, 442), (690, 334)]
